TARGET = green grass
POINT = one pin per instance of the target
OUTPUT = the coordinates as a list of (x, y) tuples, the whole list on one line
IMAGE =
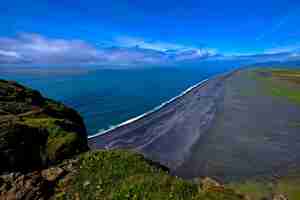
[(60, 142), (124, 175), (290, 187), (58, 107), (290, 94), (47, 122), (280, 82), (254, 189), (59, 147)]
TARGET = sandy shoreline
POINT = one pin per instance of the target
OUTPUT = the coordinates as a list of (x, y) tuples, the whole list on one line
[(158, 133), (159, 107), (156, 109)]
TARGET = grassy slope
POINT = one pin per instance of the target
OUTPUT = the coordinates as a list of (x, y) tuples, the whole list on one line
[(59, 140), (121, 175), (63, 127), (259, 189)]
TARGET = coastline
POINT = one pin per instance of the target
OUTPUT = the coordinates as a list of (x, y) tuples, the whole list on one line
[(158, 133), (155, 109), (162, 105)]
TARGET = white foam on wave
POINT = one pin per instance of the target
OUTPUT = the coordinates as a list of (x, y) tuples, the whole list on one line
[(102, 131)]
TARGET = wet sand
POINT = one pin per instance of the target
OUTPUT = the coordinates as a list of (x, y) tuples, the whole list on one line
[(227, 128)]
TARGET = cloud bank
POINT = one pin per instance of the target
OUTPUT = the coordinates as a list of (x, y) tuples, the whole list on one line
[(28, 48), (37, 49), (34, 48)]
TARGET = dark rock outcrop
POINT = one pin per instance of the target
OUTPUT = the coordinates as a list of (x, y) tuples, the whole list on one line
[(35, 131), (37, 185)]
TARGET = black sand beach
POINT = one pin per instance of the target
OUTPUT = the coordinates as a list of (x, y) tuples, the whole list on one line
[(168, 134), (227, 127)]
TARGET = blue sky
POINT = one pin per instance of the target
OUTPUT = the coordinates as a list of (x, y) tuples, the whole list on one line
[(137, 31)]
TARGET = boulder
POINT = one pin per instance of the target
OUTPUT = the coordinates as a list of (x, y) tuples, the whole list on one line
[(53, 173), (279, 197), (208, 183)]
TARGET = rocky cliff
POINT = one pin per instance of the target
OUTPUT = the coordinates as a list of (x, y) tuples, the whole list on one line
[(36, 131)]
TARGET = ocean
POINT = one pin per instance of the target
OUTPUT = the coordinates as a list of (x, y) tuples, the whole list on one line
[(108, 97)]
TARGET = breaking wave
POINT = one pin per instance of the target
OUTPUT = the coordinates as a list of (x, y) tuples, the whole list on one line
[(104, 131)]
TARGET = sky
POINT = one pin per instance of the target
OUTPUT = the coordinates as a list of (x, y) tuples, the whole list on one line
[(127, 32)]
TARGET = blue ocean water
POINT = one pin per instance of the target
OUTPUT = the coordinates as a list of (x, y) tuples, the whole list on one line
[(107, 97)]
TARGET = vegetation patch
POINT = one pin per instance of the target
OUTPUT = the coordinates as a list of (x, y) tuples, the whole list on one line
[(289, 187), (60, 143), (121, 175), (280, 82), (256, 190), (34, 125)]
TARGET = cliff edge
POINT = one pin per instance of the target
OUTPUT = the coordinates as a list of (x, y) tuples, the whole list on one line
[(36, 131)]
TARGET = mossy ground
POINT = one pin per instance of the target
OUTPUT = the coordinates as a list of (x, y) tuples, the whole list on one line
[(121, 175), (61, 128), (60, 141)]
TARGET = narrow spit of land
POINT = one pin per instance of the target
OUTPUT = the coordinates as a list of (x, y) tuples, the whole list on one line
[(241, 124)]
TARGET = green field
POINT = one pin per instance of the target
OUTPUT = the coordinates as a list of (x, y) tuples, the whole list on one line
[(261, 188), (121, 175), (281, 82)]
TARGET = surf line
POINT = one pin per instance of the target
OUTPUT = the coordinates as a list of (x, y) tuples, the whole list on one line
[(157, 108)]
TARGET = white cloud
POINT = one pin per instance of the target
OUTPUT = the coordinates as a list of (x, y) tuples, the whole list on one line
[(37, 49), (176, 52), (290, 48), (154, 45), (9, 53), (195, 54)]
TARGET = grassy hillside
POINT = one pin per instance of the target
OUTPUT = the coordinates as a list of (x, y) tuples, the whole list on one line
[(36, 131), (121, 175)]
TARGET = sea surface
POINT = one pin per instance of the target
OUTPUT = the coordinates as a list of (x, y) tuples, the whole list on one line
[(107, 97)]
